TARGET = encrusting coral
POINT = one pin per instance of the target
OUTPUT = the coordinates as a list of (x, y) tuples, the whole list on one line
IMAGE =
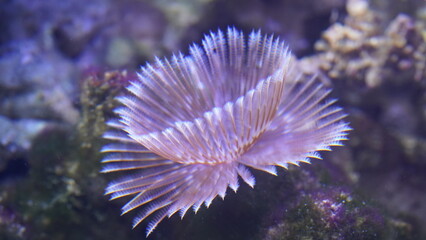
[(361, 49)]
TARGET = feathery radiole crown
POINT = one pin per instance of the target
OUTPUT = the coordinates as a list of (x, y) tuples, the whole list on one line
[(191, 125)]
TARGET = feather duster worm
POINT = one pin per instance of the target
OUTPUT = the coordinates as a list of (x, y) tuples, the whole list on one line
[(191, 125)]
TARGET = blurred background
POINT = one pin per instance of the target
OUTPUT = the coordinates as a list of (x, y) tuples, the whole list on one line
[(63, 62)]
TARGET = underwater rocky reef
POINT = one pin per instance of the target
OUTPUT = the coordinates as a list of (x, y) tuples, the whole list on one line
[(62, 63)]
